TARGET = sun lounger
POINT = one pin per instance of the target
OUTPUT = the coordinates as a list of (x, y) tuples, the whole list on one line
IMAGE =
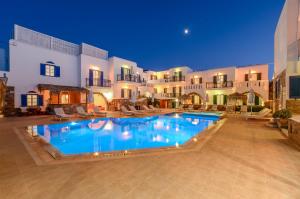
[(260, 115), (133, 109), (214, 108), (151, 107), (82, 112), (147, 109), (98, 112), (203, 108), (60, 114), (125, 111)]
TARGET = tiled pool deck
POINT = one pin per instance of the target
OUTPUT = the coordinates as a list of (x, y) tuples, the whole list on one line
[(244, 159)]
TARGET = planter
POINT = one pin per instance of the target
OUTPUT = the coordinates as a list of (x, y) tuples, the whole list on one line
[(283, 122)]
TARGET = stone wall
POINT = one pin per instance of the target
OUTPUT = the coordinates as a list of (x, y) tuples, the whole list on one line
[(293, 105), (294, 131), (9, 101)]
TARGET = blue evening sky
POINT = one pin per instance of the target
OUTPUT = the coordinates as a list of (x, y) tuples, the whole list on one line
[(150, 32)]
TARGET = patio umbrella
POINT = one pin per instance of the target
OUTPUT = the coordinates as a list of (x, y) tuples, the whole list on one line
[(133, 97)]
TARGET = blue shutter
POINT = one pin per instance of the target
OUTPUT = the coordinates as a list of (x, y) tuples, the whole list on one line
[(101, 78), (23, 100), (91, 77), (56, 71), (122, 73), (40, 100), (43, 69)]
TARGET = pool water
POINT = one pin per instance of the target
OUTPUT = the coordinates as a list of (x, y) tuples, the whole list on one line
[(120, 134)]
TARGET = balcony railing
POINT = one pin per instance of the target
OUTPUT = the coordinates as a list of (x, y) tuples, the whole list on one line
[(130, 78), (228, 84), (169, 95), (98, 82), (170, 79)]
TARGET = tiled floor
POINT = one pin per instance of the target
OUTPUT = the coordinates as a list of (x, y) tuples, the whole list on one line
[(244, 159)]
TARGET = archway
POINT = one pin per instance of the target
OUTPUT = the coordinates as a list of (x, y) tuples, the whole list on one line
[(100, 101), (258, 100), (194, 98)]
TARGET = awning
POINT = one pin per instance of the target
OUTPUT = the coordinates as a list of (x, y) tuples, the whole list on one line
[(59, 88)]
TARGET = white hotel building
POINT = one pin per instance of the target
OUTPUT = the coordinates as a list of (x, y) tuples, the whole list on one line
[(46, 71)]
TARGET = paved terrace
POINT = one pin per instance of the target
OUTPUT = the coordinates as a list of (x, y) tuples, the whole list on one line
[(244, 159)]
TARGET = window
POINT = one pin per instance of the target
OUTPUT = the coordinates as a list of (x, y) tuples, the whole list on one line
[(50, 70), (126, 93), (294, 87), (155, 90), (65, 98), (165, 90), (32, 100), (220, 99)]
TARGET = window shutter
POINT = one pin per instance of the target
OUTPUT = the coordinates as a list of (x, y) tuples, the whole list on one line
[(40, 100), (225, 99), (200, 80), (193, 99), (129, 94), (256, 100), (192, 81), (246, 77), (225, 78), (180, 90), (43, 69), (57, 71), (23, 100), (122, 93), (174, 89), (215, 99), (91, 78), (122, 73), (258, 76), (101, 78), (215, 79)]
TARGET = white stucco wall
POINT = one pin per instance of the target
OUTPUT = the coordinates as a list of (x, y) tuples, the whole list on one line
[(25, 60)]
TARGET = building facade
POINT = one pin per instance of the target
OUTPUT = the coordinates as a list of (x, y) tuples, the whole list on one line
[(46, 71), (286, 89)]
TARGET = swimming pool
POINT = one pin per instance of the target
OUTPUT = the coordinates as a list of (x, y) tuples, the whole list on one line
[(120, 134)]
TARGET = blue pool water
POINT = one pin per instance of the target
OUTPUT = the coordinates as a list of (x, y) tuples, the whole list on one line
[(119, 134)]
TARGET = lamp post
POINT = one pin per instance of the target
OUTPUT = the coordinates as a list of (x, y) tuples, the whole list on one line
[(3, 84)]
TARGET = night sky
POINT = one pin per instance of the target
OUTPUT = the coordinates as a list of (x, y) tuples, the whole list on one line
[(151, 32)]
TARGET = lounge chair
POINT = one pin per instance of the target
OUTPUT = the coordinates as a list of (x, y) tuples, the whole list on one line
[(60, 114), (133, 109), (125, 111), (98, 112), (151, 107), (82, 112), (147, 109), (203, 108), (214, 108), (190, 108), (260, 115)]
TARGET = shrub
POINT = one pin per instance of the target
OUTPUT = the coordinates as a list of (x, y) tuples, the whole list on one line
[(282, 114)]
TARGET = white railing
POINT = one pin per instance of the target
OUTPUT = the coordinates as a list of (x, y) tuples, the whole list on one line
[(42, 40), (93, 51)]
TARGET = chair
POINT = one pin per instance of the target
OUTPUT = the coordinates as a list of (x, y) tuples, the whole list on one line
[(190, 108), (125, 111), (82, 112), (60, 114), (244, 109), (203, 107), (133, 109), (260, 115), (98, 112)]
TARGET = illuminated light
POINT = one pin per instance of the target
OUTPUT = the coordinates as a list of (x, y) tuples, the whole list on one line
[(125, 151), (176, 129), (177, 145), (195, 139), (94, 67), (167, 140), (125, 66), (196, 76), (96, 154), (125, 86), (167, 127), (154, 139), (73, 123), (195, 122), (176, 115), (176, 100)]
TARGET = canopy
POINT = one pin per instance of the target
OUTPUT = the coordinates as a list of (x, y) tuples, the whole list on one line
[(59, 88)]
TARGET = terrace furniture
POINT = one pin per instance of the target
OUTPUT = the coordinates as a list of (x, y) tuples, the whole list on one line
[(60, 114), (244, 109), (260, 115), (133, 109), (151, 107), (98, 112), (190, 108), (82, 113), (125, 111), (147, 109), (203, 108), (214, 108)]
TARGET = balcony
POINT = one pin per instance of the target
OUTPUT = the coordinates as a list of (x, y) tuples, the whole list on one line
[(130, 78), (212, 85), (176, 79), (97, 82)]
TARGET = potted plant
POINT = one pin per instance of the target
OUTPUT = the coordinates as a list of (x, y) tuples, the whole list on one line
[(282, 117)]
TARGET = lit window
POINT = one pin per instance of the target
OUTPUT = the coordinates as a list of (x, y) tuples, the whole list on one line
[(50, 70), (32, 100), (65, 98)]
